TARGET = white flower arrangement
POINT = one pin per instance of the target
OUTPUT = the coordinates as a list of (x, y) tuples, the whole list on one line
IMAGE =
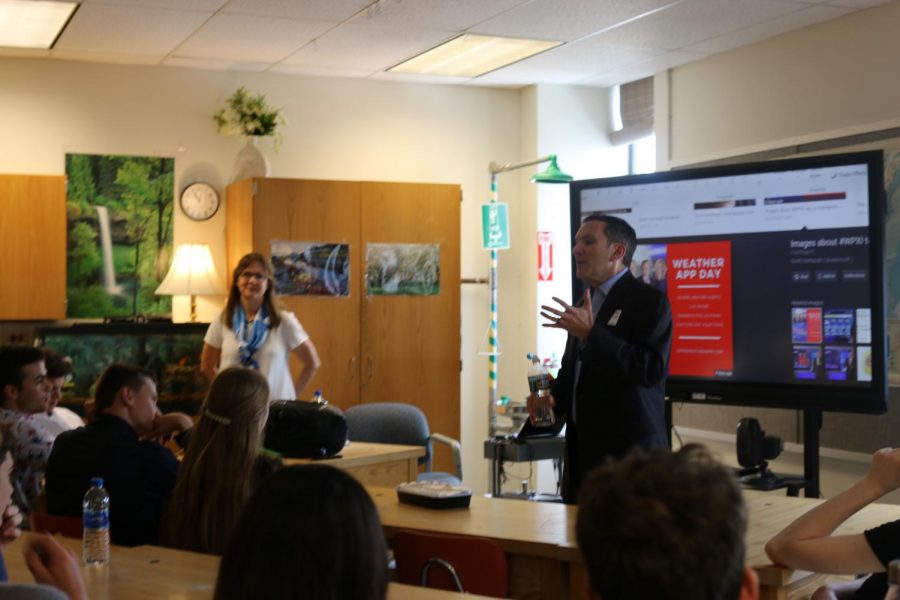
[(247, 114)]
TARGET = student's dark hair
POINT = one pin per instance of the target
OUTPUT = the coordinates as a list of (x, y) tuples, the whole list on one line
[(308, 532), (12, 359), (113, 379), (663, 525), (234, 294), (617, 231), (57, 365)]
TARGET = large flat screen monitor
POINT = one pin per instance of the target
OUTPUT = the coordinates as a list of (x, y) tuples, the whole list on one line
[(775, 274)]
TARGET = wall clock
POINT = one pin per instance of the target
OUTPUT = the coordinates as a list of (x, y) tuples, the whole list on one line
[(199, 201)]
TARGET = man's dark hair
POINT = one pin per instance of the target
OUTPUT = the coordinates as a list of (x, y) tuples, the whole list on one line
[(617, 231), (12, 359), (113, 379), (57, 365), (663, 525)]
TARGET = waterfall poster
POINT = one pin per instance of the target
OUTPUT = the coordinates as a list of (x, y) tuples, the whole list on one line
[(311, 268), (119, 211)]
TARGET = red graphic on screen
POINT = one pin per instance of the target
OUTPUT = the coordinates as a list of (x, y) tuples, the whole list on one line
[(699, 289)]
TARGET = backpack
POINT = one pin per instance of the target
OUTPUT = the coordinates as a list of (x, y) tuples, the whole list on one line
[(298, 429)]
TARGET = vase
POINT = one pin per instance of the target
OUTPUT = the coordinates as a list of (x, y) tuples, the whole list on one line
[(250, 161)]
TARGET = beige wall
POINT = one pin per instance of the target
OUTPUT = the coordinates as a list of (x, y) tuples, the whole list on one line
[(337, 129), (836, 78)]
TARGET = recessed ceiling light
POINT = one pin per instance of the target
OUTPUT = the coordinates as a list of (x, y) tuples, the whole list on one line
[(33, 23), (472, 55)]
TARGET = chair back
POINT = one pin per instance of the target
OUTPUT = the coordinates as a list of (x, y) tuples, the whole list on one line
[(70, 527), (390, 423), (477, 564)]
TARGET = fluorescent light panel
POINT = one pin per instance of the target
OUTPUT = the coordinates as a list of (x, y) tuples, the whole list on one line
[(472, 55), (33, 23)]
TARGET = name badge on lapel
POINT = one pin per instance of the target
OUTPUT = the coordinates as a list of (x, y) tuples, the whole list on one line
[(614, 319)]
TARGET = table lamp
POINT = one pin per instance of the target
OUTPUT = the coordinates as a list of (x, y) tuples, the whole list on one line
[(192, 273)]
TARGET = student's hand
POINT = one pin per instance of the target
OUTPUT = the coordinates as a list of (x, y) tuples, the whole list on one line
[(9, 526), (168, 424), (52, 564), (884, 472)]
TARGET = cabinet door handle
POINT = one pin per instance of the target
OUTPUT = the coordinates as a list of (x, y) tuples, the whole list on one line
[(353, 368)]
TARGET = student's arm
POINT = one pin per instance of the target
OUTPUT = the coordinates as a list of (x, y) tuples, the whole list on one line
[(311, 363), (807, 543)]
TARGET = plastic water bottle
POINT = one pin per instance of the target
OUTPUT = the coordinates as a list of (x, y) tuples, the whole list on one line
[(95, 548), (539, 386), (318, 398)]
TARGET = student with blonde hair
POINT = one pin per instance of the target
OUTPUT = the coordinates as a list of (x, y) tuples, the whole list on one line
[(223, 463)]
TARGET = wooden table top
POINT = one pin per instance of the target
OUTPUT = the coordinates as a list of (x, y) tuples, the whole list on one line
[(770, 512), (152, 572), (520, 527), (357, 454)]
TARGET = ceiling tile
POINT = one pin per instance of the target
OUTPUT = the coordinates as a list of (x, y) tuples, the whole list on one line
[(205, 5), (108, 57), (694, 21), (762, 31), (320, 71), (250, 39), (449, 15), (645, 68), (214, 65), (128, 30), (565, 20), (317, 10), (366, 46)]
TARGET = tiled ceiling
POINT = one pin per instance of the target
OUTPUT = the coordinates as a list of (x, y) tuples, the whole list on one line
[(605, 42)]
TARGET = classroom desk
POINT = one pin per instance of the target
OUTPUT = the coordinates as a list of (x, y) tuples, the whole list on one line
[(154, 573), (531, 534), (373, 464), (769, 514)]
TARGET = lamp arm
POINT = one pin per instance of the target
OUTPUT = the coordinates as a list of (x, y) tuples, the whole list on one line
[(495, 168)]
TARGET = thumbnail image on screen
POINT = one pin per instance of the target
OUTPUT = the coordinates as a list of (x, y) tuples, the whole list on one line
[(806, 362), (838, 326)]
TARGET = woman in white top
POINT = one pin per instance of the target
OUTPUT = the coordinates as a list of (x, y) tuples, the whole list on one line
[(252, 332)]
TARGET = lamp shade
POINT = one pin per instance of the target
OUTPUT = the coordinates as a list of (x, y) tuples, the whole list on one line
[(192, 273), (551, 174)]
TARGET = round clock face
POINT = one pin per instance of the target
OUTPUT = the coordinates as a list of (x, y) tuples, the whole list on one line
[(199, 201)]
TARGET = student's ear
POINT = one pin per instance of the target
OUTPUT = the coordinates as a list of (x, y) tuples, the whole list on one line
[(127, 396), (10, 392), (750, 585)]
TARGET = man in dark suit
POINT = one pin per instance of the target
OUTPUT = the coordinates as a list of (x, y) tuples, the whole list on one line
[(611, 385)]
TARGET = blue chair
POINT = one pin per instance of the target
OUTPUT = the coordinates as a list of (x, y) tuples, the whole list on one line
[(400, 423)]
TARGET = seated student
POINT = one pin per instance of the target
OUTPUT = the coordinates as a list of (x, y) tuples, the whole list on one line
[(56, 419), (222, 465), (807, 543), (50, 563), (24, 391), (665, 525), (138, 472), (307, 532)]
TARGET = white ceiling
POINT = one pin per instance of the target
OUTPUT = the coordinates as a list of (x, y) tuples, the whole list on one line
[(605, 41)]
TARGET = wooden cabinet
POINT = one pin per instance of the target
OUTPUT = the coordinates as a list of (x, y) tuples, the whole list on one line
[(33, 247), (373, 348)]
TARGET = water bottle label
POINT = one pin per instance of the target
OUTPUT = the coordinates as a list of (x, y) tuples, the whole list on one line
[(96, 519), (539, 384)]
